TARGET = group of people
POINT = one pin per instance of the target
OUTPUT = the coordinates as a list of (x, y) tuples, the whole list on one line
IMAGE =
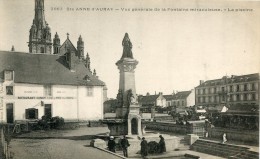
[(124, 144), (144, 146)]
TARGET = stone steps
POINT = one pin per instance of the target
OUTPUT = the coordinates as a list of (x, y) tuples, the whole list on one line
[(246, 155), (183, 144), (217, 149)]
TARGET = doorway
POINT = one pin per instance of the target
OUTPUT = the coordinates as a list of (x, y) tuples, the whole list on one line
[(134, 125), (47, 110), (10, 113)]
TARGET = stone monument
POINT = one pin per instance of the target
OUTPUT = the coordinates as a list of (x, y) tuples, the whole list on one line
[(128, 120)]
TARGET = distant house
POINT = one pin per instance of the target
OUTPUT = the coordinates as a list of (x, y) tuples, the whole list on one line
[(169, 100), (110, 106), (184, 99), (148, 101)]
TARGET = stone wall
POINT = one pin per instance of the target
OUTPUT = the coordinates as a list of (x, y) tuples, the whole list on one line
[(234, 134), (4, 143), (193, 128)]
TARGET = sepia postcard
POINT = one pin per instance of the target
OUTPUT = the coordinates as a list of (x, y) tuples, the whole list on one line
[(110, 68)]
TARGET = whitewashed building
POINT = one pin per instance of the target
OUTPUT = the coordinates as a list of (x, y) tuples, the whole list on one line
[(42, 82), (33, 85)]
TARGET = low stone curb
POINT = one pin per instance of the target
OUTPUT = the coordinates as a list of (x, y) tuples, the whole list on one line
[(111, 152)]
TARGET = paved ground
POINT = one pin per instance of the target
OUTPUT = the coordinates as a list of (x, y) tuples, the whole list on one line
[(69, 144), (179, 155), (74, 144)]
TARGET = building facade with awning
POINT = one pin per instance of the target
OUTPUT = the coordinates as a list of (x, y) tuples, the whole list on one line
[(229, 91)]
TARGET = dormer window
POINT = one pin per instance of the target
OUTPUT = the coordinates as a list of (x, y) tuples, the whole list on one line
[(9, 75), (9, 90), (87, 78)]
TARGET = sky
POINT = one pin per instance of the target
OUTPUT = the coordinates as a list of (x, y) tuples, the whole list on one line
[(175, 49)]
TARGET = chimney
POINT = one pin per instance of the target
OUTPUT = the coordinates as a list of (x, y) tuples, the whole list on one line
[(13, 49), (71, 60), (95, 73), (201, 81)]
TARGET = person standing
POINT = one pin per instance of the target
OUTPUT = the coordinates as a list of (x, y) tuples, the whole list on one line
[(224, 138), (144, 148), (207, 127), (125, 144), (111, 144), (162, 147)]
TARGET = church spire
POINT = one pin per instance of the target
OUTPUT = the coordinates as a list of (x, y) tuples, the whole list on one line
[(80, 48), (87, 62), (39, 18), (40, 33), (56, 44)]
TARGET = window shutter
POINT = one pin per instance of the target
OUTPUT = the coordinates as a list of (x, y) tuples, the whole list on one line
[(26, 113), (36, 113)]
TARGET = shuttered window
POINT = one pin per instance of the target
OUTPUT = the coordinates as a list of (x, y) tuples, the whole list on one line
[(9, 90), (31, 113)]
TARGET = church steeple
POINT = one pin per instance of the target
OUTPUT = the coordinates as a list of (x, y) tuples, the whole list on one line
[(56, 44), (87, 62), (39, 17), (80, 48), (40, 33)]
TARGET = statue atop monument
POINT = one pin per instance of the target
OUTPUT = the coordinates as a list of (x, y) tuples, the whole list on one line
[(127, 47)]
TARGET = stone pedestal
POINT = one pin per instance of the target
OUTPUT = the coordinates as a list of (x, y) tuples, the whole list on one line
[(126, 67), (191, 138), (98, 143)]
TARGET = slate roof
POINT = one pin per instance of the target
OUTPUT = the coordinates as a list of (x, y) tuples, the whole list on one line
[(67, 44), (243, 78), (148, 99), (181, 95), (168, 97), (45, 69), (232, 79)]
